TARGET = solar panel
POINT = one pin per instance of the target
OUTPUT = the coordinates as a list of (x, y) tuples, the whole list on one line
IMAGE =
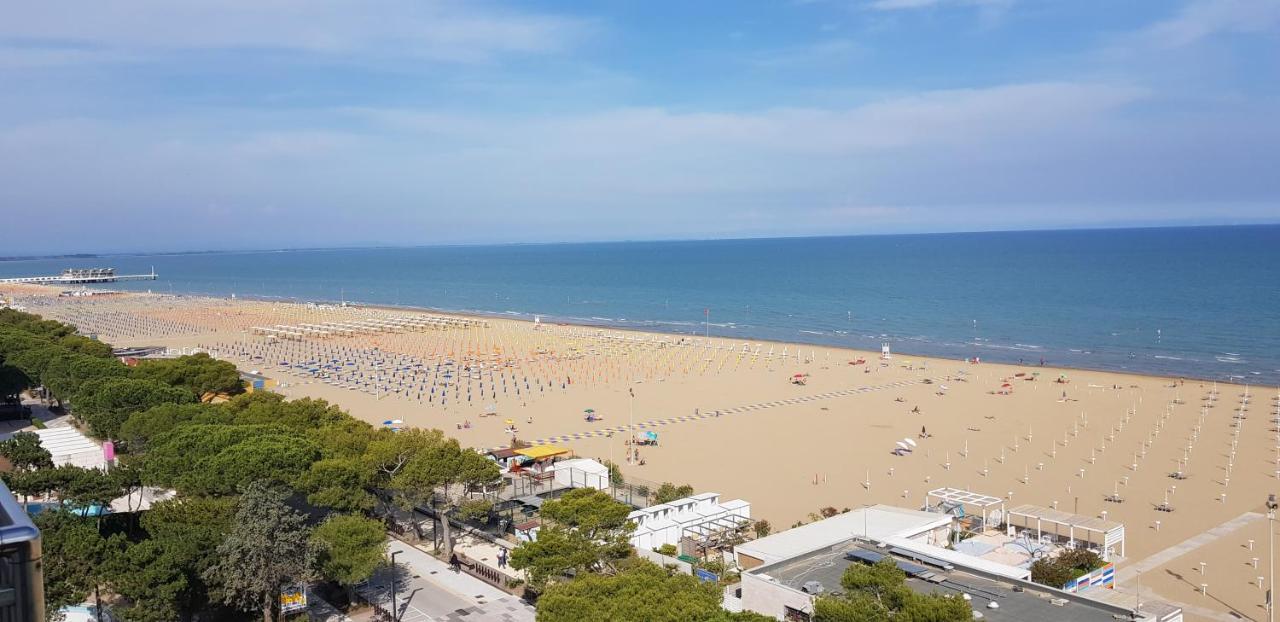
[(911, 569), (869, 557), (923, 558)]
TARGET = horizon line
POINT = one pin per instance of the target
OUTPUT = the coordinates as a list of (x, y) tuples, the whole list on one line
[(377, 246)]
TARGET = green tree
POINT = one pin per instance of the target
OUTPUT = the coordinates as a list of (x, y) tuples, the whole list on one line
[(1069, 564), (104, 404), (265, 407), (77, 559), (762, 528), (82, 488), (349, 548), (266, 550), (152, 576), (339, 483), (142, 428), (276, 458), (643, 593), (13, 382), (879, 593), (181, 452), (189, 531), (84, 345), (584, 531), (197, 373), (24, 451), (669, 492)]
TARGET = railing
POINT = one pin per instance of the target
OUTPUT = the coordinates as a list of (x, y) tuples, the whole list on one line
[(479, 570)]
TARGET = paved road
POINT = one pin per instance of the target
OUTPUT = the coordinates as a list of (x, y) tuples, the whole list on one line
[(428, 590)]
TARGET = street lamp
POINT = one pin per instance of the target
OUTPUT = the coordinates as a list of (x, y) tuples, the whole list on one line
[(395, 610), (1271, 542)]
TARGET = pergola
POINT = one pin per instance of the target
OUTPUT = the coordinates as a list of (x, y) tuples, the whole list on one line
[(1103, 534), (972, 502), (714, 531)]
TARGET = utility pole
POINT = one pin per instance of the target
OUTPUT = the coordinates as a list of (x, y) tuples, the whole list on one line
[(1271, 543), (395, 610)]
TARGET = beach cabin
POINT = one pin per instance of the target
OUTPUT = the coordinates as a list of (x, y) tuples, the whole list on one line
[(580, 473), (505, 457), (700, 518)]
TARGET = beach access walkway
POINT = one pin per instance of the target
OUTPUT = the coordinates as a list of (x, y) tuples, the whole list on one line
[(721, 412), (429, 590), (1125, 593)]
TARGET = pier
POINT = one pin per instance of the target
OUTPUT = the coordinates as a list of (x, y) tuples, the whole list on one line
[(76, 276)]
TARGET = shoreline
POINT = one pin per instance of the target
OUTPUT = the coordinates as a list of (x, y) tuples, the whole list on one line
[(521, 316), (869, 354)]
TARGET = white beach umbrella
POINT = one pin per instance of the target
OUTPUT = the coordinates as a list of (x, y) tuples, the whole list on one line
[(904, 446), (909, 442)]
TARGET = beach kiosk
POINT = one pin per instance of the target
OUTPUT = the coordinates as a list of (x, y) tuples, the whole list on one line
[(1106, 537)]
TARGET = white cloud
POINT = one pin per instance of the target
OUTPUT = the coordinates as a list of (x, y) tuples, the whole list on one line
[(436, 30), (1201, 19)]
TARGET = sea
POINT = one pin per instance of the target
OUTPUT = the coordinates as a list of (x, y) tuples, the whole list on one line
[(1200, 302)]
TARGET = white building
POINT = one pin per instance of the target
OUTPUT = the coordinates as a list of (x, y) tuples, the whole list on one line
[(581, 473), (783, 574), (696, 517), (877, 522)]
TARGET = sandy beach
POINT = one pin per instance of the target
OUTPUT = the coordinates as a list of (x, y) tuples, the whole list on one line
[(790, 428)]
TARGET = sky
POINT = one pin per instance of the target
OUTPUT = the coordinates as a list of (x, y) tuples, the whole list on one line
[(153, 125)]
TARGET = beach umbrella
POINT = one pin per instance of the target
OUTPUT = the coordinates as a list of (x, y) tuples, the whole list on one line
[(903, 446), (909, 442), (589, 410)]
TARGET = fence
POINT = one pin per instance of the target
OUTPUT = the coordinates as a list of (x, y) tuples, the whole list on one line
[(665, 560), (1104, 577)]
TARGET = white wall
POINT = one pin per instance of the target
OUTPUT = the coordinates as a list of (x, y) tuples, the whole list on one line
[(768, 597)]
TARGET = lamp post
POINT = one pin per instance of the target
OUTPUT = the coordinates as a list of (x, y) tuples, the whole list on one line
[(1271, 543), (395, 610)]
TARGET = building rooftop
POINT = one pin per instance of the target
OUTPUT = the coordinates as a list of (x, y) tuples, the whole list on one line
[(827, 566), (877, 522)]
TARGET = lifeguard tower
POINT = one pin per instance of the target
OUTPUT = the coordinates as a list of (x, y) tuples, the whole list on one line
[(884, 351)]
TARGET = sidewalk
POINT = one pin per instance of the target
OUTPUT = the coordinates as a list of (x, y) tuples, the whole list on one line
[(428, 589)]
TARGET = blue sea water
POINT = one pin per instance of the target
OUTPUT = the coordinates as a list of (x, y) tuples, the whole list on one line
[(1199, 302)]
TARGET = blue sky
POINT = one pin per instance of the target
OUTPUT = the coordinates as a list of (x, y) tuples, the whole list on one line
[(227, 124)]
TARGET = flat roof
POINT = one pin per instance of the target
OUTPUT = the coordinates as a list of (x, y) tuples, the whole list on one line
[(877, 522), (956, 495), (1079, 521), (64, 442), (828, 566)]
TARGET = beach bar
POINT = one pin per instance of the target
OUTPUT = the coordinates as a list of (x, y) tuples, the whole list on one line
[(1103, 535)]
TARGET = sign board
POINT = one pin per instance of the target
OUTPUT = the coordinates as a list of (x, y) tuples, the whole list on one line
[(293, 599)]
